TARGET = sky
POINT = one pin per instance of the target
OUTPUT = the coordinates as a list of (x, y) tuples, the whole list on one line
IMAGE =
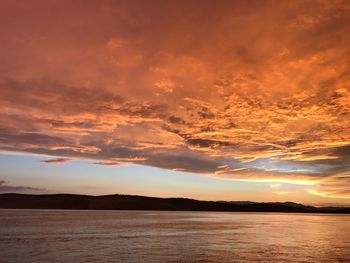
[(214, 100)]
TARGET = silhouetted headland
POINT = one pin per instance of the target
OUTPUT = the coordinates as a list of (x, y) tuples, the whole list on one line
[(133, 202)]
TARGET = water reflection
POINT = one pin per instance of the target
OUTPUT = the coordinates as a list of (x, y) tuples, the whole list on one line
[(139, 236)]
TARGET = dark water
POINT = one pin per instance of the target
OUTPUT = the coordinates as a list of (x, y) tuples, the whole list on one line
[(147, 236)]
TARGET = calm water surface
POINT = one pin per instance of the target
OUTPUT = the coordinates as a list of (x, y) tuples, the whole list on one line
[(147, 236)]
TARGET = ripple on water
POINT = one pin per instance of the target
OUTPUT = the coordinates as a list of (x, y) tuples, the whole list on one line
[(139, 236)]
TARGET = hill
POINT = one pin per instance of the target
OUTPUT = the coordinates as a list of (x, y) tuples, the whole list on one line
[(132, 202)]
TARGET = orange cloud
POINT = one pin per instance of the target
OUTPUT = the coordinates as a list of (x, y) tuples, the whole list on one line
[(262, 94), (335, 186)]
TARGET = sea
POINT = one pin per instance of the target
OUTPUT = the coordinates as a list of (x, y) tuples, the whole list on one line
[(164, 236)]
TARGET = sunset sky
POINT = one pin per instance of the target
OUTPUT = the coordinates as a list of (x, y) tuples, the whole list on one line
[(213, 100)]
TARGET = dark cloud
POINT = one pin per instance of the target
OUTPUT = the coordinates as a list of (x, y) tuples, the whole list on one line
[(57, 161), (109, 163), (5, 188), (10, 137), (188, 163), (206, 142)]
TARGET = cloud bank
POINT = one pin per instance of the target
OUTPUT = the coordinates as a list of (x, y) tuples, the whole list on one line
[(5, 188), (242, 90)]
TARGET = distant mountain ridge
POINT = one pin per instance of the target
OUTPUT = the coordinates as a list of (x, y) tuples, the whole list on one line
[(134, 202)]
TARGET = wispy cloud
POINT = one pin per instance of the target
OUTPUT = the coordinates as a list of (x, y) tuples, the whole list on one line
[(110, 163), (57, 161)]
